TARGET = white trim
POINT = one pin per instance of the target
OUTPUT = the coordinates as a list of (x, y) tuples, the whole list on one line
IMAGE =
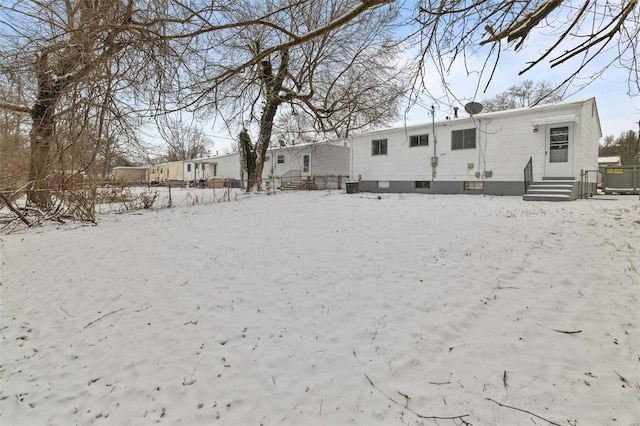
[(573, 118)]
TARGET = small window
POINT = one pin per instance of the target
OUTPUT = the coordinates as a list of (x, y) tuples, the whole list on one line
[(267, 159), (463, 139), (474, 185), (280, 159), (418, 140), (422, 184), (188, 167), (379, 147), (383, 184)]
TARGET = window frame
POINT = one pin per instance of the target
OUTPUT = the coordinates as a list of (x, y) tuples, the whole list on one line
[(422, 184), (473, 185), (378, 146), (559, 142), (465, 141), (280, 157), (416, 140)]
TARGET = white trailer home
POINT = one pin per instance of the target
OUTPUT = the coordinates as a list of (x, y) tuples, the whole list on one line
[(544, 151), (325, 163)]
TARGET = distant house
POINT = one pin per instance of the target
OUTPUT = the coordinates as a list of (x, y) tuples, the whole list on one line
[(130, 175), (609, 161), (167, 173), (327, 164), (542, 150)]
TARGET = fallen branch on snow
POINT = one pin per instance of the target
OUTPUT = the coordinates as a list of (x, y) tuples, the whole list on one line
[(406, 406), (524, 411), (105, 315), (567, 332), (7, 202)]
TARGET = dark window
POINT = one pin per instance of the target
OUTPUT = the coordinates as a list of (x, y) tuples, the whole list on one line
[(379, 147), (188, 167), (463, 139), (280, 159), (423, 184), (418, 140), (472, 185)]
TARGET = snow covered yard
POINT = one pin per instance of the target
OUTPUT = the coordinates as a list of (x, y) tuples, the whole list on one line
[(322, 308)]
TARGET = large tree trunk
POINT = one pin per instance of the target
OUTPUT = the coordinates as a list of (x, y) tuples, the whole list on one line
[(264, 139), (247, 158), (272, 85), (41, 135)]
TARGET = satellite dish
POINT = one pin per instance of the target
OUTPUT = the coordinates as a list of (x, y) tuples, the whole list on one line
[(473, 108)]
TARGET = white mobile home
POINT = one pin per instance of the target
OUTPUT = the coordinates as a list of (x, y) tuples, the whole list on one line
[(326, 163), (486, 153)]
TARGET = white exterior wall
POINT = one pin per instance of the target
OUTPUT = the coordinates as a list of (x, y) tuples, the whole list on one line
[(324, 160), (201, 168), (189, 172), (505, 141), (330, 160), (591, 135), (400, 163), (292, 161), (508, 144), (228, 166), (502, 147)]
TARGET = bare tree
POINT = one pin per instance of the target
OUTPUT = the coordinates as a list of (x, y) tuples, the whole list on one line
[(583, 36), (62, 50), (339, 79), (14, 150), (521, 95), (626, 146), (73, 57), (291, 128), (184, 142)]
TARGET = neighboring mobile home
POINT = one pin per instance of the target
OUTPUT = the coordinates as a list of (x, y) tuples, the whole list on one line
[(172, 172), (130, 175), (486, 153), (325, 163)]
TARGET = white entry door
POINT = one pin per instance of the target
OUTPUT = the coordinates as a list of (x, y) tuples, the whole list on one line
[(559, 150)]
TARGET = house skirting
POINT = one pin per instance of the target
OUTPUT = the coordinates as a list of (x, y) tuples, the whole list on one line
[(445, 187)]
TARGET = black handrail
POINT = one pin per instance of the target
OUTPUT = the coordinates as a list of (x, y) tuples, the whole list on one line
[(528, 174), (291, 175)]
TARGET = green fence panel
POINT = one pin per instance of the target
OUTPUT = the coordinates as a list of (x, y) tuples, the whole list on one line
[(621, 179)]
